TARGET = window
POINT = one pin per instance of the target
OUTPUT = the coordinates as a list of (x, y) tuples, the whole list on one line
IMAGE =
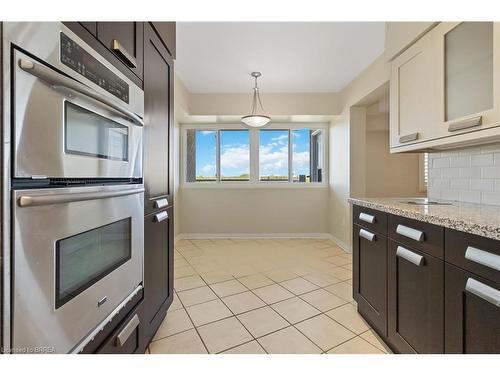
[(273, 155), (234, 155), (423, 163), (307, 155), (256, 156), (201, 163)]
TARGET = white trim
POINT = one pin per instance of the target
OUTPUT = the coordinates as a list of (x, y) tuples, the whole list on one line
[(250, 185), (208, 236), (341, 244)]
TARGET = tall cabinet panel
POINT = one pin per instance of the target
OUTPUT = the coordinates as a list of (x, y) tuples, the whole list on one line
[(158, 182), (158, 111)]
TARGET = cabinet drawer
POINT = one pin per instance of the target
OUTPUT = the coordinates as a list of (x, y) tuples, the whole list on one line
[(125, 339), (373, 220), (479, 255), (421, 236)]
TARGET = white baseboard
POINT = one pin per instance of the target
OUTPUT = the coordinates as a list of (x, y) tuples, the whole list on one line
[(205, 236), (341, 244), (208, 236)]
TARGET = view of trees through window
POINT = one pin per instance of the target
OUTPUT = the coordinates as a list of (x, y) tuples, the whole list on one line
[(284, 155)]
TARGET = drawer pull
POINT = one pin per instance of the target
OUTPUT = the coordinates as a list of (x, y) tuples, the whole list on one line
[(483, 291), (410, 233), (160, 203), (410, 256), (367, 235), (159, 217), (483, 257), (408, 138), (122, 53), (124, 335), (367, 218), (465, 124)]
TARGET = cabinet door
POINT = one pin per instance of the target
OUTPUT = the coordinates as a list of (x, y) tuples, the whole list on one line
[(472, 313), (412, 97), (370, 277), (158, 129), (158, 268), (126, 337), (415, 300), (467, 76), (125, 40)]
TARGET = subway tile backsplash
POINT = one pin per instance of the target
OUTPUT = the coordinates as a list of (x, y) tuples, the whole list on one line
[(467, 175)]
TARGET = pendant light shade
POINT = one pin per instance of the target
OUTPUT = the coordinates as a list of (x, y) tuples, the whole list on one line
[(256, 119)]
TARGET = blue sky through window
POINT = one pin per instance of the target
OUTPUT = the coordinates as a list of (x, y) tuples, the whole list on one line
[(301, 152), (273, 154), (235, 155), (206, 145)]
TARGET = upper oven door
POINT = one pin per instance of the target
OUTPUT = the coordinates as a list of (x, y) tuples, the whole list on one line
[(65, 129)]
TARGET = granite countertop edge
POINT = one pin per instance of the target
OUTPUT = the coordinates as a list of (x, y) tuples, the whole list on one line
[(480, 229)]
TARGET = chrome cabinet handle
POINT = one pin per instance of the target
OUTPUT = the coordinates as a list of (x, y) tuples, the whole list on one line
[(408, 138), (367, 235), (159, 217), (58, 81), (483, 257), (410, 256), (411, 233), (122, 53), (465, 124), (124, 335), (367, 218), (160, 203), (483, 291), (44, 200)]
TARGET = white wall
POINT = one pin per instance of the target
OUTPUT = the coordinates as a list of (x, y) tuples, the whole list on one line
[(254, 210), (341, 143)]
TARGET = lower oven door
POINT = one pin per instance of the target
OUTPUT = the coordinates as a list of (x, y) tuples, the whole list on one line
[(78, 254)]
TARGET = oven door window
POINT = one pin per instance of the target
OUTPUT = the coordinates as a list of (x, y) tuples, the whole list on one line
[(90, 134), (85, 258)]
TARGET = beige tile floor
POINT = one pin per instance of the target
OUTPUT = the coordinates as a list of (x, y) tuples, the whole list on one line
[(263, 296)]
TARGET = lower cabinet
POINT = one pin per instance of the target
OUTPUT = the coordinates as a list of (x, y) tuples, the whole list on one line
[(472, 313), (370, 281), (126, 337), (415, 300), (158, 270)]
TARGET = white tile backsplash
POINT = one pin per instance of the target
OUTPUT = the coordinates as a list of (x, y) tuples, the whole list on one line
[(467, 175)]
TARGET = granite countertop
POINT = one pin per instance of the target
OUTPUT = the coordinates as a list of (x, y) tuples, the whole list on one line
[(480, 219)]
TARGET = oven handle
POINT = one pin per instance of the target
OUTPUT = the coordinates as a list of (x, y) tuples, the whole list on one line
[(58, 80), (44, 200)]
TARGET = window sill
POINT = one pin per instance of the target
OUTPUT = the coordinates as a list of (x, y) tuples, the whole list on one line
[(248, 185)]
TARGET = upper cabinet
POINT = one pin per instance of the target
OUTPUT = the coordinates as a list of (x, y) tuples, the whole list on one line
[(125, 40), (444, 88), (412, 90)]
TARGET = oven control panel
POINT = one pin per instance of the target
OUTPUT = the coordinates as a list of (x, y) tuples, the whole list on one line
[(82, 62)]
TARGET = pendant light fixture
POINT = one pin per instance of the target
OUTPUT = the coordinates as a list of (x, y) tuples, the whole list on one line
[(254, 119)]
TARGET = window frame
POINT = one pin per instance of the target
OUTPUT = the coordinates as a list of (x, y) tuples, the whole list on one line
[(254, 143)]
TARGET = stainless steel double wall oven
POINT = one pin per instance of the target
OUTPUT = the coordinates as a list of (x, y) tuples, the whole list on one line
[(74, 173)]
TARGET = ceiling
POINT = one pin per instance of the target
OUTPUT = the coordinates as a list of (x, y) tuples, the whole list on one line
[(217, 57)]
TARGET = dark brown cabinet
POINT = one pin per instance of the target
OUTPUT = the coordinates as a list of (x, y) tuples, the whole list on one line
[(158, 109), (125, 40), (158, 269), (370, 281), (472, 318), (415, 300), (158, 182)]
